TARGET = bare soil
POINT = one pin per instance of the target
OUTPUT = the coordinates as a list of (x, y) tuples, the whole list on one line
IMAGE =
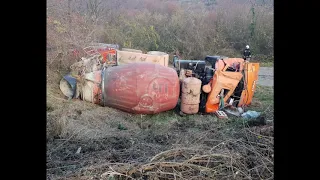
[(111, 140)]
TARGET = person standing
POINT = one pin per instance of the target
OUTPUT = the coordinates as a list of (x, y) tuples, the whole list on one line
[(247, 53)]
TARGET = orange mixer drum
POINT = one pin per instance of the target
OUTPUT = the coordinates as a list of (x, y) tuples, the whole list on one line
[(142, 88)]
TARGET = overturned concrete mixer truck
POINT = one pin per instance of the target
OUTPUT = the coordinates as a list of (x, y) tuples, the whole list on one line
[(140, 83)]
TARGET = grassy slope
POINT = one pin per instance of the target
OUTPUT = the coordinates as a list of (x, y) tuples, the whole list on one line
[(73, 124)]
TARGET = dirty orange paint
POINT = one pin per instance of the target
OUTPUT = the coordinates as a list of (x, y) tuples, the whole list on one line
[(141, 88), (220, 64), (250, 78), (221, 80)]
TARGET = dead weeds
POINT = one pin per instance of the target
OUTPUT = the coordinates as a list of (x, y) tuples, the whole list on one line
[(162, 146)]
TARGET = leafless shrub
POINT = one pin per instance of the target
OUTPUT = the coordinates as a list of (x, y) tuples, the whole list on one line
[(190, 28)]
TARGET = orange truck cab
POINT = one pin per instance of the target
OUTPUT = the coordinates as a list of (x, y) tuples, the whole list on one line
[(226, 82)]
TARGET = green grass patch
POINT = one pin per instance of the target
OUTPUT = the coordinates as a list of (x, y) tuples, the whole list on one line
[(263, 95), (266, 64), (262, 101), (163, 117)]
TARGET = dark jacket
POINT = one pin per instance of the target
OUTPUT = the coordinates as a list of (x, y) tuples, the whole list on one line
[(246, 53)]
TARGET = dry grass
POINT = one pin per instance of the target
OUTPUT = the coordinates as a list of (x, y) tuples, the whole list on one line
[(230, 159), (222, 152), (162, 146)]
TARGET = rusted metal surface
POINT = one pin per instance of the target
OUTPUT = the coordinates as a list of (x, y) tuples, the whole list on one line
[(96, 48), (142, 88), (107, 51), (91, 88), (190, 97), (86, 65)]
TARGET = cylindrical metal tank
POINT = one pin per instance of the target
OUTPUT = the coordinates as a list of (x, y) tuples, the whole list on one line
[(142, 88), (190, 97)]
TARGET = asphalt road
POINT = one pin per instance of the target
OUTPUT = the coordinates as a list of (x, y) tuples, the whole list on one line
[(265, 76)]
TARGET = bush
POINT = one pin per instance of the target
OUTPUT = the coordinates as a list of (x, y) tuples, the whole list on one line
[(192, 28)]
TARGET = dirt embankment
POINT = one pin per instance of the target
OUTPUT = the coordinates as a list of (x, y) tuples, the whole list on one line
[(85, 141)]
